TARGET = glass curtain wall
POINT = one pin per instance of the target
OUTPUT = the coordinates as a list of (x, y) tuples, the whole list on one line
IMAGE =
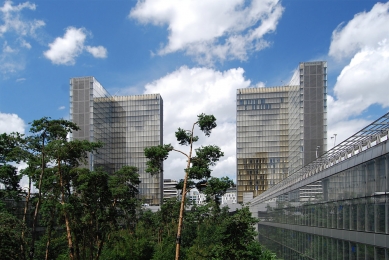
[(354, 200), (262, 139), (138, 124), (280, 129), (124, 124), (93, 116)]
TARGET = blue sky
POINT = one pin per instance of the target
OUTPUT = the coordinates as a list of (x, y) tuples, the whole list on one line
[(195, 54)]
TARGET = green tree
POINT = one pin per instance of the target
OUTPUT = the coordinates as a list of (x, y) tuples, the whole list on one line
[(198, 166), (101, 204), (215, 188), (68, 156), (44, 132), (123, 189), (10, 236), (223, 235), (12, 151)]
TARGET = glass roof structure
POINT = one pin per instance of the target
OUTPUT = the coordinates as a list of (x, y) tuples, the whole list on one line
[(371, 135)]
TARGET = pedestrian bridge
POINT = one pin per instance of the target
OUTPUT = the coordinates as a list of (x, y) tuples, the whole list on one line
[(336, 207)]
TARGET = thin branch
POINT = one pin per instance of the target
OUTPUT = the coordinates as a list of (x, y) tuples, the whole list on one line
[(181, 152)]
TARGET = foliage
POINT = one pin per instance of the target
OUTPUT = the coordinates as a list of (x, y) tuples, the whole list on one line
[(208, 233), (198, 167), (10, 236), (83, 214), (156, 155), (215, 187), (11, 152), (206, 123), (206, 157)]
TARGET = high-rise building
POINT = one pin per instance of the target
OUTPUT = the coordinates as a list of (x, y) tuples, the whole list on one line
[(280, 129), (124, 124)]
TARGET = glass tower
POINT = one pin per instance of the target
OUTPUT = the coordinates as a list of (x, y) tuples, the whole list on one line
[(124, 124), (280, 129)]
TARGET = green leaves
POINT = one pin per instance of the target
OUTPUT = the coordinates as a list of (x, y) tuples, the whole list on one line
[(156, 156), (215, 187), (124, 180), (11, 229), (184, 137), (73, 153), (198, 167), (206, 156), (12, 148), (206, 123), (53, 128), (10, 179)]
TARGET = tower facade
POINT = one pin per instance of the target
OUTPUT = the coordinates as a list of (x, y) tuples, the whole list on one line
[(124, 124), (280, 129)]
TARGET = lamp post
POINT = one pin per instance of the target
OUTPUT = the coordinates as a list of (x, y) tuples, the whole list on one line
[(317, 150)]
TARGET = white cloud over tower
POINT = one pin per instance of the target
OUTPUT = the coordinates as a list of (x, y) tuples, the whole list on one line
[(212, 31), (64, 50)]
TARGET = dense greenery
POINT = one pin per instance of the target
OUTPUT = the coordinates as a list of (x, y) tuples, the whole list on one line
[(197, 168), (70, 212), (208, 233)]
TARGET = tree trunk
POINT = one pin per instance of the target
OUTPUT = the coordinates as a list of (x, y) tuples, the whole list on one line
[(24, 218), (38, 203), (178, 239), (67, 222), (99, 248), (48, 243)]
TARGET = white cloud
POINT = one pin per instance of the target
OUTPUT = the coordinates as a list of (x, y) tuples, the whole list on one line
[(366, 29), (64, 50), (188, 92), (97, 52), (10, 62), (364, 81), (25, 44), (7, 48), (16, 28), (11, 123), (12, 21), (61, 108), (211, 30)]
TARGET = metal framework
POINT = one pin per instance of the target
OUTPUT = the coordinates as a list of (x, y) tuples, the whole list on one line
[(371, 135)]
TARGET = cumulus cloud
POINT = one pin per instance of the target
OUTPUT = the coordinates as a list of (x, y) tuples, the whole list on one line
[(61, 108), (188, 92), (366, 29), (97, 52), (212, 30), (11, 123), (64, 50), (364, 81)]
